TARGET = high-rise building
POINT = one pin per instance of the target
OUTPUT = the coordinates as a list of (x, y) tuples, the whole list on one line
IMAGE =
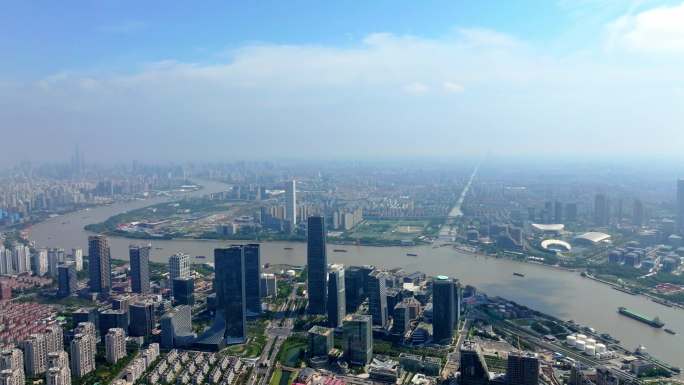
[(53, 260), (54, 339), (99, 265), (336, 296), (179, 266), (183, 291), (141, 319), (638, 213), (558, 212), (21, 259), (355, 284), (11, 367), (401, 318), (82, 354), (377, 297), (113, 318), (443, 308), (601, 210), (320, 341), (291, 202), (522, 369), (58, 372), (358, 339), (229, 284), (67, 280), (115, 345), (680, 206), (252, 278), (176, 326), (40, 262), (35, 355), (317, 264), (140, 268), (571, 212), (86, 314), (473, 367), (77, 257)]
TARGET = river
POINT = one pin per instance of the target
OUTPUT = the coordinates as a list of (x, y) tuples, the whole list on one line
[(563, 294)]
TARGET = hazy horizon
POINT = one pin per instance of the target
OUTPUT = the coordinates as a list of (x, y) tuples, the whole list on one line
[(569, 79)]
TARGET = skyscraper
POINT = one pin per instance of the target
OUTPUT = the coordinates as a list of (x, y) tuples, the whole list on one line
[(229, 284), (252, 277), (291, 202), (601, 210), (176, 326), (443, 308), (473, 367), (680, 206), (183, 291), (141, 319), (35, 355), (67, 280), (320, 341), (522, 369), (11, 367), (40, 262), (358, 339), (58, 372), (53, 262), (317, 263), (140, 268), (77, 256), (179, 266), (377, 297), (54, 338), (336, 296), (82, 354), (99, 265), (638, 213)]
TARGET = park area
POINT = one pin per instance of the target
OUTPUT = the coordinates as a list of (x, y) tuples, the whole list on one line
[(391, 230)]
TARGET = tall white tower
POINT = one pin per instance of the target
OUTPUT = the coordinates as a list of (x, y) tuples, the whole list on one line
[(291, 202)]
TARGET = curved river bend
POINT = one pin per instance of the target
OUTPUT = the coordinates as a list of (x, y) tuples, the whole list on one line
[(563, 294)]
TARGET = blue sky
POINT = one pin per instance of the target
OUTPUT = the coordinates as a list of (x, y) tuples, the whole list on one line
[(222, 80)]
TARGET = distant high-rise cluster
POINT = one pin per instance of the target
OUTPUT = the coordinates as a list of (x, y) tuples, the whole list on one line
[(15, 260)]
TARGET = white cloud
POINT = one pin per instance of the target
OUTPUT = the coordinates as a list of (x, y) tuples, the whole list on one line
[(416, 88), (453, 87), (657, 30)]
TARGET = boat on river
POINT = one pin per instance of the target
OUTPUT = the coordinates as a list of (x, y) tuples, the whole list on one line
[(654, 322), (519, 274)]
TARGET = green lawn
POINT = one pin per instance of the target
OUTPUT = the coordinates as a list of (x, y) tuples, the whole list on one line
[(292, 351)]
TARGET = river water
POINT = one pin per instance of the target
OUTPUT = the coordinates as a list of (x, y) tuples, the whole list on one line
[(565, 295)]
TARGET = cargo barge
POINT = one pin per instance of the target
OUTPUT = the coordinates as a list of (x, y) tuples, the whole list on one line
[(655, 322)]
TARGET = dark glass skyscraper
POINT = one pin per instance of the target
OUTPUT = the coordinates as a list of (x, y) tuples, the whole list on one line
[(229, 284), (443, 308), (377, 297), (183, 291), (253, 277), (67, 280), (317, 262), (140, 268), (141, 319), (99, 264)]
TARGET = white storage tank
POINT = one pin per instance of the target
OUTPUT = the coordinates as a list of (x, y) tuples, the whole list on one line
[(581, 337), (570, 340), (580, 345), (591, 341), (600, 348), (590, 350)]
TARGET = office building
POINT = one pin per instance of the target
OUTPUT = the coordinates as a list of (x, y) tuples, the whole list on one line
[(115, 345), (358, 339), (140, 268), (176, 326), (77, 257), (229, 284), (35, 355), (141, 319), (355, 280), (113, 318), (320, 341), (99, 265), (86, 314), (54, 339), (11, 367), (317, 264), (291, 202), (601, 210), (570, 212), (252, 278), (183, 291), (336, 296), (67, 280), (557, 212), (401, 319), (58, 372), (269, 285), (473, 367), (443, 308), (377, 297), (179, 266), (522, 369), (680, 206)]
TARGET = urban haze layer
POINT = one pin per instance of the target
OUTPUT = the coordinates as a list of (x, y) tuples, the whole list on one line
[(333, 273)]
